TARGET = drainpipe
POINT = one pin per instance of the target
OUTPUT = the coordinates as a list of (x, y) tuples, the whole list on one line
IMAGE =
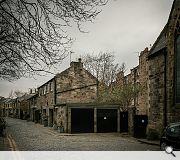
[(54, 110), (54, 91), (165, 88), (97, 93)]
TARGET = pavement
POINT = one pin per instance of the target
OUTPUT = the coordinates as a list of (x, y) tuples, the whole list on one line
[(142, 140), (150, 142)]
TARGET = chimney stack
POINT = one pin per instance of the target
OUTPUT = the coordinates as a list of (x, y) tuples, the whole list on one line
[(77, 66)]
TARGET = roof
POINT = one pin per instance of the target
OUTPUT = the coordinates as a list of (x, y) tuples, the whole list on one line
[(86, 71), (26, 96), (8, 100), (3, 100), (46, 82), (67, 70), (31, 96), (161, 41)]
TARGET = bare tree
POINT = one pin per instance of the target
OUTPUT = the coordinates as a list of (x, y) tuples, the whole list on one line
[(120, 94), (125, 94), (11, 94), (33, 34), (18, 93), (113, 86), (103, 66)]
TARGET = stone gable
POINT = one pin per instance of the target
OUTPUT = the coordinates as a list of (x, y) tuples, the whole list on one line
[(76, 85)]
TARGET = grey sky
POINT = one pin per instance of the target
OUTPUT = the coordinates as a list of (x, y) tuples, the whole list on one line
[(124, 27)]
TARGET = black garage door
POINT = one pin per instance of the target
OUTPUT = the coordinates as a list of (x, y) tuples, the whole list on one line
[(106, 120), (82, 120)]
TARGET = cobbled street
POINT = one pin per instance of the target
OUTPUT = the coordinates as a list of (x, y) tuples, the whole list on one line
[(29, 136)]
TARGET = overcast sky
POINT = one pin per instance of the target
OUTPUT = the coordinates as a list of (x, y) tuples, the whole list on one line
[(124, 27)]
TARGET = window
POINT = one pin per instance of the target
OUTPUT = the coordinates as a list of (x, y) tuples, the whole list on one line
[(39, 92), (177, 69), (44, 89), (47, 88), (51, 86)]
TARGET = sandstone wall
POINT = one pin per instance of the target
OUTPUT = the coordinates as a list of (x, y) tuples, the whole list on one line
[(156, 94), (75, 85)]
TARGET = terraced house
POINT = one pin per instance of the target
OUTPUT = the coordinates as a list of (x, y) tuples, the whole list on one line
[(72, 86), (69, 101)]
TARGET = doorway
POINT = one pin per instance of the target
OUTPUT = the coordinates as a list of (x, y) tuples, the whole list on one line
[(123, 122)]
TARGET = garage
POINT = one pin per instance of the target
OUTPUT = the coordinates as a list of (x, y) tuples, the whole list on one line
[(82, 120), (106, 120)]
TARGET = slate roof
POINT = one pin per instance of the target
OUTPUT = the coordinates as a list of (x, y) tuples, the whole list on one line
[(31, 96), (161, 41), (25, 97)]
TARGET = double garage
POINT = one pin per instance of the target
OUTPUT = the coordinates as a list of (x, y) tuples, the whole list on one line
[(98, 119)]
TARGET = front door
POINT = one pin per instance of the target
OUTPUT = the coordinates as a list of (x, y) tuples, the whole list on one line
[(140, 124), (50, 117), (123, 122)]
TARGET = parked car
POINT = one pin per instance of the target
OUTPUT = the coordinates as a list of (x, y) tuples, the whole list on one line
[(171, 136)]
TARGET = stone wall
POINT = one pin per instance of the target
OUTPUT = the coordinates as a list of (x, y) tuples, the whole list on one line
[(163, 108), (156, 94), (138, 75), (173, 109), (46, 100), (80, 95), (142, 107), (61, 118), (75, 85), (46, 95)]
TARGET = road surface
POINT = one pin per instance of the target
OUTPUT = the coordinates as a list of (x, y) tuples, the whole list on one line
[(28, 136)]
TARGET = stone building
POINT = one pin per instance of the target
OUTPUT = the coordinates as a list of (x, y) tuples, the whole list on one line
[(136, 83), (9, 107), (45, 102), (32, 106), (2, 108), (142, 99), (164, 76), (138, 76), (133, 79), (68, 101), (74, 85)]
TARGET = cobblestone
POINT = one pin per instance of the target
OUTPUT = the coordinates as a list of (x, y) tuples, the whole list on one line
[(34, 137)]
